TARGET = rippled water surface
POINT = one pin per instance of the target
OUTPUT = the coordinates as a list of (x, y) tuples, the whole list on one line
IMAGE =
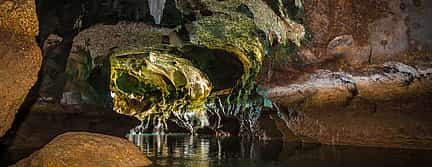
[(203, 151)]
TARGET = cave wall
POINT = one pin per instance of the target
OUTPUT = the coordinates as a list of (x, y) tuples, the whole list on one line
[(364, 77), (347, 42), (349, 35), (387, 30)]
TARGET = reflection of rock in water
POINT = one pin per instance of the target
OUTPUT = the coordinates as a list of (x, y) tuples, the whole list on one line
[(173, 147), (203, 151), (198, 149)]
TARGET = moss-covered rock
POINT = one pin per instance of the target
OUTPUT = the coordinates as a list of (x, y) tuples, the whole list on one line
[(152, 84), (245, 28)]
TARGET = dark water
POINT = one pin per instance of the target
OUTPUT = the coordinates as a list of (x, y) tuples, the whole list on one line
[(204, 151)]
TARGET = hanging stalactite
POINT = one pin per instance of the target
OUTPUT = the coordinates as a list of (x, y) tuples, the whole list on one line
[(156, 9)]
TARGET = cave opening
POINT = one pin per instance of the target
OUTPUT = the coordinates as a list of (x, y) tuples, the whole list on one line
[(222, 67)]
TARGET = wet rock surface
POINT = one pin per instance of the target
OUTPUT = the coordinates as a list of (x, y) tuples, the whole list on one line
[(20, 58), (363, 77), (87, 149), (384, 108)]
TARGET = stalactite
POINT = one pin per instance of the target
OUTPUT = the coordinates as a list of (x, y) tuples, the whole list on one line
[(156, 9), (298, 3)]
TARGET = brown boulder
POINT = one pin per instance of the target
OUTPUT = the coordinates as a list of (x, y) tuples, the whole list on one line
[(19, 17), (86, 149), (20, 57)]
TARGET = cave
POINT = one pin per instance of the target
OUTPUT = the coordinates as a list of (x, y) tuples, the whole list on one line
[(215, 83), (222, 68)]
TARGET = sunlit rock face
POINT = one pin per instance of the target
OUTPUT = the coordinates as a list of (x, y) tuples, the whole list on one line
[(151, 85)]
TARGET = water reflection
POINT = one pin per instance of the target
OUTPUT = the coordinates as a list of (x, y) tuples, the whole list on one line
[(205, 151)]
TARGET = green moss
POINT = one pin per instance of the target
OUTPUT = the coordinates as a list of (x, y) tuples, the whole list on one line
[(79, 65), (230, 30), (152, 84), (308, 37)]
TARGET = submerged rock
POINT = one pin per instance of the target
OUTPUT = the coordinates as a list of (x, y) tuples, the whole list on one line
[(20, 57), (86, 149)]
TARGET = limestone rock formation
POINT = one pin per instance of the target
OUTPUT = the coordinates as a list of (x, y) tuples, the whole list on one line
[(384, 108), (151, 85), (86, 149), (20, 57), (103, 40), (342, 71), (231, 59), (382, 30), (363, 77)]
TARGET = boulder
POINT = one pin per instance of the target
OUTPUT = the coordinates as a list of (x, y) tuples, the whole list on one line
[(19, 17), (20, 57), (87, 149)]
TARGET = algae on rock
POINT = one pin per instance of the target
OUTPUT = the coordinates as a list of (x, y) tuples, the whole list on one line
[(153, 84), (231, 28), (245, 29)]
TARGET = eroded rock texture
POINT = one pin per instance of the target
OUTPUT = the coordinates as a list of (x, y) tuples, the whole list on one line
[(382, 30), (20, 57), (362, 79), (231, 59), (386, 108), (87, 149)]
